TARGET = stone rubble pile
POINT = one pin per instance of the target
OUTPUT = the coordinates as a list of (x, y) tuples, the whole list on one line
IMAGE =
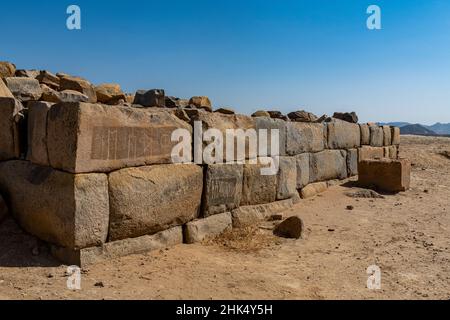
[(88, 168)]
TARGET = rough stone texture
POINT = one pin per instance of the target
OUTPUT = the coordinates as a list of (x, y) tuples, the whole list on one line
[(365, 134), (313, 189), (7, 69), (150, 199), (387, 138), (4, 91), (37, 132), (343, 135), (24, 89), (376, 136), (258, 188), (292, 227), (287, 178), (3, 209), (98, 138), (277, 115), (49, 79), (303, 169), (393, 152), (367, 153), (50, 95), (199, 230), (61, 208), (304, 137), (121, 248), (225, 111), (386, 174), (261, 113), (78, 84), (269, 125), (223, 188), (110, 93), (346, 116), (150, 98), (201, 102), (250, 215), (395, 134), (352, 162), (10, 115), (222, 122), (328, 165), (27, 73), (174, 102), (302, 116)]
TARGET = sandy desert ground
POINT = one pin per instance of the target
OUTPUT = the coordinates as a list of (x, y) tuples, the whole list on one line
[(406, 235)]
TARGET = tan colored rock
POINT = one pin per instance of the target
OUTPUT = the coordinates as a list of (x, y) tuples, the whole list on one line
[(313, 189), (110, 93), (121, 248), (24, 89), (365, 134), (37, 132), (343, 134), (201, 102), (303, 177), (328, 165), (10, 139), (49, 79), (61, 208), (4, 91), (367, 153), (376, 136), (27, 73), (78, 84), (202, 229), (261, 113), (304, 137), (352, 162), (387, 137), (386, 174), (7, 69), (395, 134), (258, 188), (50, 95), (146, 200), (287, 178), (98, 138), (225, 111)]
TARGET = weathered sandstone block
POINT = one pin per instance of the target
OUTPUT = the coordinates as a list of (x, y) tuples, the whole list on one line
[(49, 79), (304, 137), (223, 188), (287, 178), (346, 116), (302, 116), (150, 98), (395, 134), (78, 84), (110, 93), (121, 248), (387, 137), (376, 136), (202, 229), (343, 135), (27, 73), (98, 138), (313, 189), (270, 124), (385, 174), (328, 165), (24, 89), (365, 134), (303, 169), (367, 153), (4, 91), (352, 162), (150, 199), (258, 188), (50, 95), (37, 132), (61, 208), (10, 115), (7, 69), (201, 102)]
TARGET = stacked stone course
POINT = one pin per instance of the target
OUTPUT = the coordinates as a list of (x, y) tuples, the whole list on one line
[(89, 170)]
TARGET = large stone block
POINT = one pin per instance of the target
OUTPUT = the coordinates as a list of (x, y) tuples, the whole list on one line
[(269, 124), (62, 208), (313, 189), (150, 98), (24, 89), (304, 137), (98, 138), (343, 135), (121, 248), (387, 137), (223, 188), (202, 229), (78, 84), (110, 93), (258, 188), (365, 134), (287, 178), (150, 199), (328, 165), (10, 117), (303, 169), (376, 136), (4, 91), (367, 153), (385, 174), (37, 132), (352, 162), (395, 134), (7, 69)]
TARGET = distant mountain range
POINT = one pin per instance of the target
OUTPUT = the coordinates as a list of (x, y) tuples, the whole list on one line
[(421, 129)]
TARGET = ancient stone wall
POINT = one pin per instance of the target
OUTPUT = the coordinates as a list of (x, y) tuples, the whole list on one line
[(90, 171)]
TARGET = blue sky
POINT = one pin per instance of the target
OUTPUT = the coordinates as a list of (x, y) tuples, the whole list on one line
[(316, 55)]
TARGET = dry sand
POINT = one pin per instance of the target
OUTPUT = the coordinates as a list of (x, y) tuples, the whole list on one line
[(406, 235)]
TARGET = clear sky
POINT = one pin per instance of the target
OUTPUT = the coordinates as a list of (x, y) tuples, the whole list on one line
[(316, 55)]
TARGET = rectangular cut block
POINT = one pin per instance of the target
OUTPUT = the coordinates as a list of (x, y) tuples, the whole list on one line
[(223, 188), (376, 136), (303, 169), (343, 134), (365, 134), (258, 188), (37, 132), (84, 137), (121, 248), (287, 178), (61, 208), (386, 174), (367, 153), (352, 162), (146, 200), (199, 230), (270, 124), (328, 165), (223, 122), (304, 137), (387, 137), (10, 110), (313, 189), (250, 215), (395, 134)]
